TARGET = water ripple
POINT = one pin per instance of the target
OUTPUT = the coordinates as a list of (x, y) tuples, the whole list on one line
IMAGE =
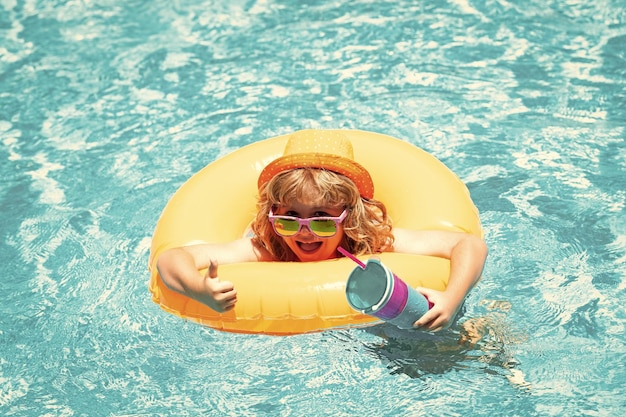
[(105, 111)]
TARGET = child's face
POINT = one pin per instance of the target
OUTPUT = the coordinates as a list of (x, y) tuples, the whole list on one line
[(306, 245)]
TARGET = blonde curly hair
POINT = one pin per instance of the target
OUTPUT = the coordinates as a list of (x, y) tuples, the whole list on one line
[(367, 228)]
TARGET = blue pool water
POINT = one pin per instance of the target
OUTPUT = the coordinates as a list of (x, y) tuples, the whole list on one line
[(107, 107)]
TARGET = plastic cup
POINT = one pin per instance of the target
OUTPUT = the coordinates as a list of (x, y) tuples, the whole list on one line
[(376, 291)]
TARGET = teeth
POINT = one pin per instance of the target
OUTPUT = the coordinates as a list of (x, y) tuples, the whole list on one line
[(309, 246)]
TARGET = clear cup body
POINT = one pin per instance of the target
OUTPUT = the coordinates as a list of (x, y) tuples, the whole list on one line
[(375, 290)]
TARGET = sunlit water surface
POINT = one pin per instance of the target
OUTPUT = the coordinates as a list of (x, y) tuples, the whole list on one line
[(107, 107)]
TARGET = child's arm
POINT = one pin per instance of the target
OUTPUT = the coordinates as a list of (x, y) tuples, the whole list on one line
[(179, 270), (467, 254)]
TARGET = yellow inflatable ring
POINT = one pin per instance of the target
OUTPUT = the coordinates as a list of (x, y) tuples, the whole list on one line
[(283, 298)]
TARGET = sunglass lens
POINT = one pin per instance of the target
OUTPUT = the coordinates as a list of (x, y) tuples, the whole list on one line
[(323, 228), (286, 227)]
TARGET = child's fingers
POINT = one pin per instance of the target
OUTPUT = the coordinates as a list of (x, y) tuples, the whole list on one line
[(212, 272)]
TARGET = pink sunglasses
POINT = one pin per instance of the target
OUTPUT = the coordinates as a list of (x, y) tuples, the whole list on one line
[(319, 226)]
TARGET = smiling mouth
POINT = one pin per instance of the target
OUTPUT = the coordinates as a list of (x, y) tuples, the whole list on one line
[(309, 246)]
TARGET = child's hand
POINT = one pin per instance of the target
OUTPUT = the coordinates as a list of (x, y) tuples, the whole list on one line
[(221, 296), (442, 312)]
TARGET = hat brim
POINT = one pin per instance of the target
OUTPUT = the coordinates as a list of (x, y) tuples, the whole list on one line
[(344, 166)]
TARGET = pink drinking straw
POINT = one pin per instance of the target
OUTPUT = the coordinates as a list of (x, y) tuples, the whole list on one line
[(351, 256)]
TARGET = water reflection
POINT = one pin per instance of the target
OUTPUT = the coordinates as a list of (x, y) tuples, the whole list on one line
[(483, 342)]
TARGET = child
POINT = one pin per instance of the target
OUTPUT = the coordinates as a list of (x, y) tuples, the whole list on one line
[(312, 200)]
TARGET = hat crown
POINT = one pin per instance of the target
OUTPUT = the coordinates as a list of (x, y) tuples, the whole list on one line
[(317, 141), (323, 149)]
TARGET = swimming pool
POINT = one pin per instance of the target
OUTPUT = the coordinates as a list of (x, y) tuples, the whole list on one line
[(107, 107)]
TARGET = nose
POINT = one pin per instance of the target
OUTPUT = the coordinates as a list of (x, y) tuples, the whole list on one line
[(305, 230)]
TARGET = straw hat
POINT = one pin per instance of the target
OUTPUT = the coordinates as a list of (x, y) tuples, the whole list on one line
[(324, 149)]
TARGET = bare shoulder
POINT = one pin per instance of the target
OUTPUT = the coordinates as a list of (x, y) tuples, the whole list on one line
[(419, 242), (236, 251), (428, 242)]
